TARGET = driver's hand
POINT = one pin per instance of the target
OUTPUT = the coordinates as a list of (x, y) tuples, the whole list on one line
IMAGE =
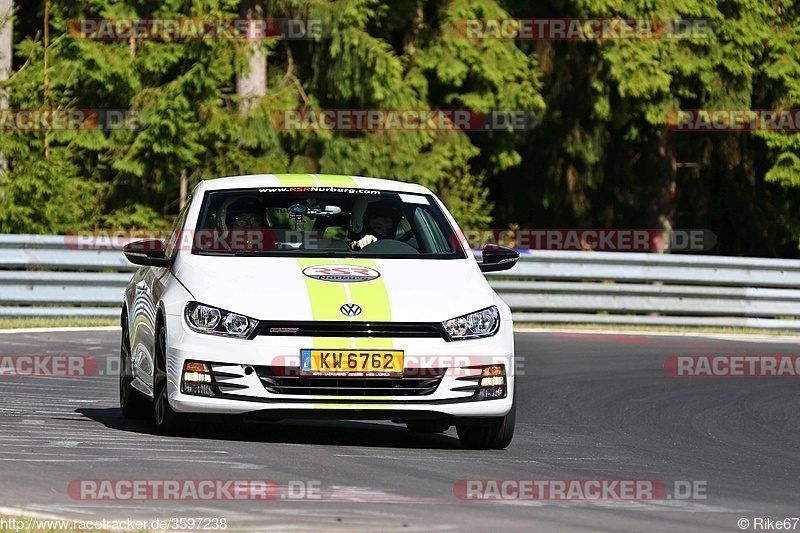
[(363, 241)]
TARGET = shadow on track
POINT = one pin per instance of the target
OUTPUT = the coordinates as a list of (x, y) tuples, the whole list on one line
[(322, 432)]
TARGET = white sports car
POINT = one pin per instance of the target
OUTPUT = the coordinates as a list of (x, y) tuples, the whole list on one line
[(312, 296)]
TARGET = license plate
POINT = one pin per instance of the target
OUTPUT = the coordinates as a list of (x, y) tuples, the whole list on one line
[(351, 362)]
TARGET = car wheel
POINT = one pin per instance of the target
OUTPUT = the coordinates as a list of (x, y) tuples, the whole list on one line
[(428, 426), (493, 434), (133, 404), (168, 422)]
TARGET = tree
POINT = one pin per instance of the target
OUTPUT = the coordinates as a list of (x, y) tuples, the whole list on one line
[(601, 154), (6, 56)]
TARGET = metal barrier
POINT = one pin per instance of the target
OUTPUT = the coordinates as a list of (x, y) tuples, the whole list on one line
[(41, 275), (652, 289)]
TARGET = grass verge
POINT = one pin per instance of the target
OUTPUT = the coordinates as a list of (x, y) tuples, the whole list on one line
[(55, 322)]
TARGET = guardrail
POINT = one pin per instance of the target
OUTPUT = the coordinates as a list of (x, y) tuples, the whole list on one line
[(41, 276), (652, 289)]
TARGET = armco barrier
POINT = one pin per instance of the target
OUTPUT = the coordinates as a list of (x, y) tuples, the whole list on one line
[(652, 289), (41, 276)]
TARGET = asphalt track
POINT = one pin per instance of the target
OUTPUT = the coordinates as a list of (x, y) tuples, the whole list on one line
[(591, 406)]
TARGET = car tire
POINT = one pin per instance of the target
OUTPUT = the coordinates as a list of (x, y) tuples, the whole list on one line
[(133, 405), (427, 426), (493, 434), (168, 422)]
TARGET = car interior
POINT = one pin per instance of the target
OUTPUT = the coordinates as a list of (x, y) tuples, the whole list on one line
[(325, 224)]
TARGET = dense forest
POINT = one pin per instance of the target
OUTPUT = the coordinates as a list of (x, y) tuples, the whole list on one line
[(601, 152)]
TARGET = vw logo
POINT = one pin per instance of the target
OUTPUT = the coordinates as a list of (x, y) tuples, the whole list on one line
[(350, 310)]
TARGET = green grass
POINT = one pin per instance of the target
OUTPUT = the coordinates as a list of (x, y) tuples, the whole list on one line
[(55, 322), (665, 329)]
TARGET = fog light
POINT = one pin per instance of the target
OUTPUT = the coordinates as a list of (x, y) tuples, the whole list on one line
[(197, 372), (492, 393), (194, 366), (494, 370), (493, 381), (200, 389), (197, 379)]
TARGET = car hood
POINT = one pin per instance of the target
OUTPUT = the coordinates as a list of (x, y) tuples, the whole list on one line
[(277, 288)]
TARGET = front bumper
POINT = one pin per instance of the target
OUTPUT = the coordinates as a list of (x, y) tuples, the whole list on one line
[(243, 365)]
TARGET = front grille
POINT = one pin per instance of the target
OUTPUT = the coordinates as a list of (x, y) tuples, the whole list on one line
[(286, 383), (351, 329)]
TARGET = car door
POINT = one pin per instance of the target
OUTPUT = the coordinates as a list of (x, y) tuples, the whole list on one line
[(150, 283)]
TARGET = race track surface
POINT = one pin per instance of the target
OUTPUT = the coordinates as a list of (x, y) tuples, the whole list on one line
[(591, 407)]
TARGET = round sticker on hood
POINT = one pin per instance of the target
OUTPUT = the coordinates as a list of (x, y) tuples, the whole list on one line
[(341, 273)]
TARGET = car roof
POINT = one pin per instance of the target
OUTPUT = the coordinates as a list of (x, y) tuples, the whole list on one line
[(310, 180)]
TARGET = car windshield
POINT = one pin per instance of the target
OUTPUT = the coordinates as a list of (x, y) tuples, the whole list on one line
[(330, 221)]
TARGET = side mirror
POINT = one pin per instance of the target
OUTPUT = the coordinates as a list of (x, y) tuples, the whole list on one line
[(497, 258), (148, 252)]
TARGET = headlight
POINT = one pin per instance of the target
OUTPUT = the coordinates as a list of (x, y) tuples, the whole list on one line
[(206, 319), (483, 323)]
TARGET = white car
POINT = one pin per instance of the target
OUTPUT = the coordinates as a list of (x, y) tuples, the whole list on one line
[(275, 297)]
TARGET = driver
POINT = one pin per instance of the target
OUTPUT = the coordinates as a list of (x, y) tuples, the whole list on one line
[(380, 219), (246, 221)]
